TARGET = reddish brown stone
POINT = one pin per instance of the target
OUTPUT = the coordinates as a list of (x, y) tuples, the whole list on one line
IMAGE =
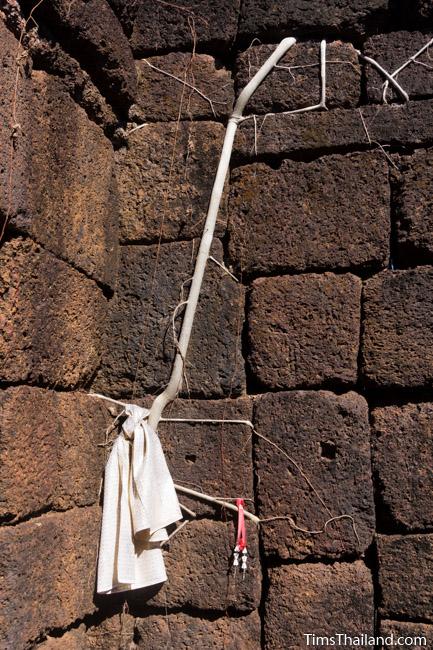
[(198, 23), (410, 124), (72, 640), (165, 178), (402, 443), (180, 631), (398, 329), (213, 457), (162, 98), (329, 213), (399, 629), (288, 90), (319, 599), (328, 437), (414, 209), (96, 39), (47, 567), (198, 562), (304, 330), (50, 440), (51, 318), (391, 50), (406, 576), (113, 633), (139, 333), (67, 200)]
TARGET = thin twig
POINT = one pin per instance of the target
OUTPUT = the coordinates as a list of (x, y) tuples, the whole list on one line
[(210, 499), (224, 268), (404, 65), (385, 73)]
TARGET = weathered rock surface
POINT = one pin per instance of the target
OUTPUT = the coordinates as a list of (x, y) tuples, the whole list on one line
[(406, 576), (183, 631), (402, 629), (162, 98), (398, 329), (317, 599), (332, 213), (139, 331), (391, 50), (47, 567), (51, 319), (165, 179), (198, 564), (289, 89), (96, 39), (50, 441), (409, 124), (215, 457), (414, 210), (67, 200), (264, 18), (402, 445), (304, 330), (210, 24), (328, 437)]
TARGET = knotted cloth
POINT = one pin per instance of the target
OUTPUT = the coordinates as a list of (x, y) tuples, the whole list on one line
[(139, 502)]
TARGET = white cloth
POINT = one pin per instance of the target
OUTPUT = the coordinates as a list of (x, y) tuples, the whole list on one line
[(139, 502)]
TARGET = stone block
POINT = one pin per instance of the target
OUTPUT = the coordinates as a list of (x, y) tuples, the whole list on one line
[(406, 576), (67, 201), (181, 631), (48, 571), (332, 213), (195, 23), (414, 210), (325, 600), (198, 565), (50, 440), (165, 179), (51, 318), (328, 438), (295, 83), (391, 50), (304, 330), (398, 329), (401, 449), (216, 458), (139, 339), (276, 20), (399, 629), (161, 98)]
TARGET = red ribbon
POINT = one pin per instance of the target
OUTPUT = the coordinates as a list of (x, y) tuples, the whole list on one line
[(241, 540)]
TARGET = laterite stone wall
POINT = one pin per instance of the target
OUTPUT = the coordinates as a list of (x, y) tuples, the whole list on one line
[(321, 335)]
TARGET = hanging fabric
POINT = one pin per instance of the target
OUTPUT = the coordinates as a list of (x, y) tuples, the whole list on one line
[(140, 501)]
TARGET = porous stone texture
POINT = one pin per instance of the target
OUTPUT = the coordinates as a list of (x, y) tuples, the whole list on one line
[(406, 576), (51, 318), (47, 568), (51, 441), (327, 437), (199, 568), (210, 24), (165, 178), (295, 83), (334, 211), (67, 201), (240, 633), (391, 51), (399, 629), (72, 640), (216, 458), (401, 449), (398, 329), (317, 599), (96, 39), (264, 18), (303, 330), (139, 333), (410, 124), (414, 210), (162, 98)]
